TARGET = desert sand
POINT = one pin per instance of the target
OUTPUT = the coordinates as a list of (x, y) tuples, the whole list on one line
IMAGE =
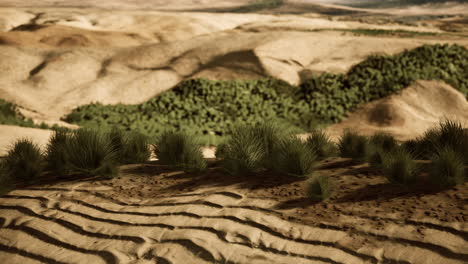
[(57, 55)]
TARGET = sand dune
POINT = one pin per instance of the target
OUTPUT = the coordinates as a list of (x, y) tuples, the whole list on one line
[(409, 113)]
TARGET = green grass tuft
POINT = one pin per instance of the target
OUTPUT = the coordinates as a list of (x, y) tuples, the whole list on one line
[(244, 152), (448, 169), (131, 147), (355, 146), (180, 150), (82, 152), (24, 161), (399, 167), (319, 188), (294, 157), (321, 144)]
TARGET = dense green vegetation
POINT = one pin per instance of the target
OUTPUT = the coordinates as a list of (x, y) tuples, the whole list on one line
[(380, 32), (210, 108), (258, 5)]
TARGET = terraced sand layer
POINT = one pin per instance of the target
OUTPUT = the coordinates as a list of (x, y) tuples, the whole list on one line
[(151, 214)]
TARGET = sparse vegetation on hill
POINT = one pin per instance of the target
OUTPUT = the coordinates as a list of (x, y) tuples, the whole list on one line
[(9, 115), (258, 5), (210, 108)]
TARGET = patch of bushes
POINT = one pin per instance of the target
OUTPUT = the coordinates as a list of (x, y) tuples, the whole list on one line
[(258, 6), (211, 108), (180, 150), (319, 188)]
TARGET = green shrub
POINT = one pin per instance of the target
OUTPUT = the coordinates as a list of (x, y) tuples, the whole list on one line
[(244, 152), (448, 169), (83, 152), (180, 150), (355, 146), (399, 167), (24, 161), (130, 147), (319, 188), (294, 157), (321, 144)]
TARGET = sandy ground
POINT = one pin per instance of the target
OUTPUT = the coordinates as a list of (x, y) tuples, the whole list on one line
[(56, 58), (151, 214)]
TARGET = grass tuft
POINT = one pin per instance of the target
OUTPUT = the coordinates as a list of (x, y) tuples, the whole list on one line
[(399, 167), (355, 146), (24, 161), (319, 188), (448, 169), (244, 152), (321, 144), (82, 152), (180, 150), (130, 147), (294, 157)]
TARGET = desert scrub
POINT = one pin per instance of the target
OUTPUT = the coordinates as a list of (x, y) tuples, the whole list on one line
[(321, 144), (354, 146), (399, 167), (24, 161), (447, 168), (130, 147), (85, 152), (180, 150), (319, 188), (294, 157)]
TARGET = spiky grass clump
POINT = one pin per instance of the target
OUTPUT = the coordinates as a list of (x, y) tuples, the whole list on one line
[(355, 146), (399, 167), (270, 134), (55, 155), (244, 152), (6, 182), (448, 169), (384, 141), (448, 134), (24, 161), (294, 157), (180, 150), (321, 144), (251, 148), (381, 143), (319, 188), (84, 152), (130, 147)]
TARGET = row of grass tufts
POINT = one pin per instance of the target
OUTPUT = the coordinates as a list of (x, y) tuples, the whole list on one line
[(267, 146), (81, 153)]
